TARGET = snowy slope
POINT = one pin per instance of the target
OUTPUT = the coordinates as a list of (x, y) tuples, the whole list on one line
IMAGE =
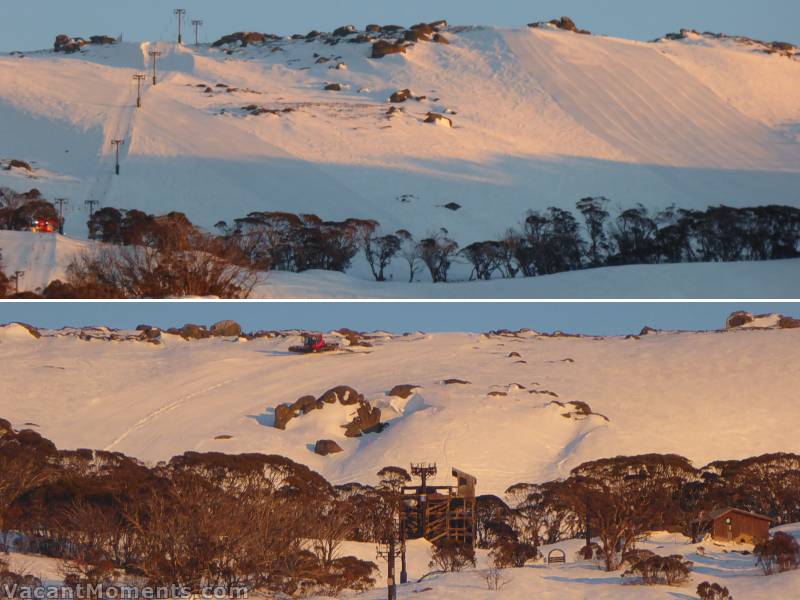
[(46, 257), (658, 393), (542, 117)]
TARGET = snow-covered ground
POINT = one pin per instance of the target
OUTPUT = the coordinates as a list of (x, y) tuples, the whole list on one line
[(45, 257), (576, 580), (658, 393), (542, 117)]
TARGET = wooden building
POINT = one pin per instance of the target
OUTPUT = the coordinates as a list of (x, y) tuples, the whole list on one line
[(439, 512), (734, 525)]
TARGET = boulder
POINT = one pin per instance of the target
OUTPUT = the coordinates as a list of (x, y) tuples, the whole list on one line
[(283, 414), (344, 30), (149, 333), (68, 45), (326, 447), (5, 427), (243, 38), (305, 404), (788, 323), (440, 39), (400, 96), (455, 381), (646, 330), (404, 390), (226, 328), (18, 164), (416, 35), (738, 319), (373, 28), (367, 420), (452, 206), (333, 87), (383, 48), (102, 40), (438, 119), (190, 331), (343, 394)]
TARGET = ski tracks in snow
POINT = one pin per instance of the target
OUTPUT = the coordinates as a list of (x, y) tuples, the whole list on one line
[(164, 409)]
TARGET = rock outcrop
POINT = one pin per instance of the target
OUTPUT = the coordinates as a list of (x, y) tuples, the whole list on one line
[(326, 447)]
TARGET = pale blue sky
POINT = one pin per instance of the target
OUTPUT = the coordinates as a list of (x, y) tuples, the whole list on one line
[(587, 318), (33, 24)]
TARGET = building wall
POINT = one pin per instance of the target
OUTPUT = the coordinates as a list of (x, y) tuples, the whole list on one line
[(743, 528)]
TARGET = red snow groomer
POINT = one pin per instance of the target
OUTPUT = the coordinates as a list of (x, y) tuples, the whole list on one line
[(313, 343), (44, 225)]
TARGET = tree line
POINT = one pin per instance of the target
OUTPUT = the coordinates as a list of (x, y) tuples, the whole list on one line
[(167, 255), (258, 521)]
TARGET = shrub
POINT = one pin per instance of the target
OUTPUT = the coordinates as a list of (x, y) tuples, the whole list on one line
[(512, 553), (451, 556), (778, 554), (142, 272), (661, 570), (713, 591)]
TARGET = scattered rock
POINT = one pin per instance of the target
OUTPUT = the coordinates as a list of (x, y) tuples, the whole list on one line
[(438, 119), (344, 30), (738, 319), (788, 323), (191, 331), (544, 392), (283, 414), (343, 394), (226, 328), (102, 40), (18, 164), (401, 96), (372, 28), (514, 355), (383, 48), (455, 381), (564, 23), (496, 393), (367, 420), (440, 39), (326, 447), (244, 38), (223, 437), (452, 206), (403, 390)]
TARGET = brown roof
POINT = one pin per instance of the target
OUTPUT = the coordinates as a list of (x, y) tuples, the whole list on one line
[(720, 512)]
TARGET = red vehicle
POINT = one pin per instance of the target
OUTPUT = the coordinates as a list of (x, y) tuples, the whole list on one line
[(44, 225), (313, 342)]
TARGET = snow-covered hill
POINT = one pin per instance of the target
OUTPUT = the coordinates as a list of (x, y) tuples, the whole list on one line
[(512, 422), (542, 117)]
